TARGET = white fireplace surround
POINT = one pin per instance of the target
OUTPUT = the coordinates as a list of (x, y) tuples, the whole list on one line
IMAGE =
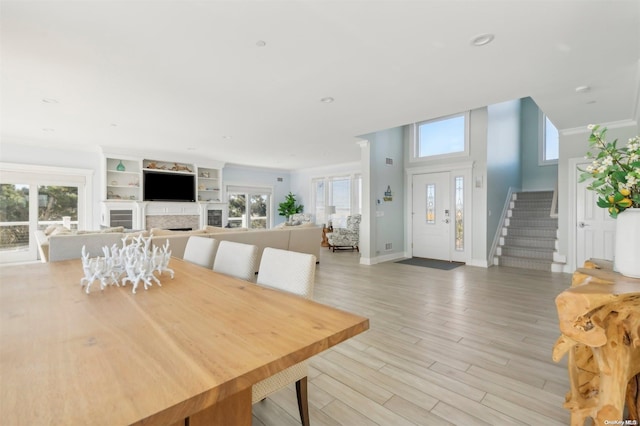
[(171, 215), (160, 214)]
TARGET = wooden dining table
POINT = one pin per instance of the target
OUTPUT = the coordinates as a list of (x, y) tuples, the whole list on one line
[(186, 352)]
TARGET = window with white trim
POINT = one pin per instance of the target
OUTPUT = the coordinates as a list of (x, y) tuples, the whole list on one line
[(35, 197), (249, 207), (550, 142), (343, 192), (447, 136)]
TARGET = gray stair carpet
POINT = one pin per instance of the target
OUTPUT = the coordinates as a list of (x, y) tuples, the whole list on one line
[(530, 238)]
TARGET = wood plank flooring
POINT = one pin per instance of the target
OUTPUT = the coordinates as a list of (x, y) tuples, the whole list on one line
[(470, 346)]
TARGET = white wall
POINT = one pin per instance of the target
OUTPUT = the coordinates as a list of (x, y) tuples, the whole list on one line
[(253, 176), (535, 177), (386, 218), (503, 161)]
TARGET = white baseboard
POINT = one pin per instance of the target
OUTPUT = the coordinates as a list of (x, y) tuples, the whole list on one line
[(380, 259), (482, 263), (366, 261)]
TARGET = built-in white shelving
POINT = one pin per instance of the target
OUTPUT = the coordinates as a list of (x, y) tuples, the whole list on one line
[(209, 183), (123, 179), (123, 197)]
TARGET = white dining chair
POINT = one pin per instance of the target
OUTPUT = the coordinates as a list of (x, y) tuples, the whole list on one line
[(201, 251), (295, 273), (236, 259)]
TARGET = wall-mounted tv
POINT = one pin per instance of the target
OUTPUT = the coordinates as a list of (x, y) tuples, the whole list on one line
[(163, 186)]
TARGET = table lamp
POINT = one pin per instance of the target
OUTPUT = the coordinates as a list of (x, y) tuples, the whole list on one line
[(330, 210)]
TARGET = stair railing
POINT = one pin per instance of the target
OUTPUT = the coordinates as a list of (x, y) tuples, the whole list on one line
[(503, 218), (554, 203)]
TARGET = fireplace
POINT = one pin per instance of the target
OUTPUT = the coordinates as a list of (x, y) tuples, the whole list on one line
[(173, 222)]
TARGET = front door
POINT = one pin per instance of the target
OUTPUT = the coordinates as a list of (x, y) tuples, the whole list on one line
[(596, 230), (432, 216)]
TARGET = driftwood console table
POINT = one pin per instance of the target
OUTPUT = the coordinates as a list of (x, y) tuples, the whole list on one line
[(599, 319)]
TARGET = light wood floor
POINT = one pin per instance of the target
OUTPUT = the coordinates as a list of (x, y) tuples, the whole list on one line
[(470, 346)]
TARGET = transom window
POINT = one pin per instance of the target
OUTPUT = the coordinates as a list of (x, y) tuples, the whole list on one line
[(442, 137)]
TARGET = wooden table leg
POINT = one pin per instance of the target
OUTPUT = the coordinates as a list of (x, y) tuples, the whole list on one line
[(233, 410), (633, 398)]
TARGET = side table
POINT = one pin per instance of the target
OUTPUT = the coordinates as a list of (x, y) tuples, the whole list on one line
[(325, 241), (599, 317)]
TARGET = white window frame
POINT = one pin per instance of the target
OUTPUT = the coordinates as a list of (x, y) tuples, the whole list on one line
[(248, 191), (36, 175), (416, 139), (542, 145), (355, 193)]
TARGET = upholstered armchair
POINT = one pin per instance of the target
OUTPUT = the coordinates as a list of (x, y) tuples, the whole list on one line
[(346, 238)]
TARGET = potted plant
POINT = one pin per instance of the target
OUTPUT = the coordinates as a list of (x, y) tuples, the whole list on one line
[(289, 207), (615, 176)]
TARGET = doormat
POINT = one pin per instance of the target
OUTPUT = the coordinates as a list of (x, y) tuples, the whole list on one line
[(431, 263)]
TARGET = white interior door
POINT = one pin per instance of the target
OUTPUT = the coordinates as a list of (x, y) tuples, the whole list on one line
[(595, 233), (432, 216)]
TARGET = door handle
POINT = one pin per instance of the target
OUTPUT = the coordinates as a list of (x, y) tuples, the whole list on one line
[(446, 220), (582, 224)]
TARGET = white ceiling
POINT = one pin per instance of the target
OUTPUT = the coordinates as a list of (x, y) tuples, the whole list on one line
[(189, 77)]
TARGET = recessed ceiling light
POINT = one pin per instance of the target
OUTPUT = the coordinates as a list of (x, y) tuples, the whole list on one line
[(261, 43), (227, 137), (48, 129), (327, 100), (50, 100), (114, 125), (583, 89), (191, 148), (482, 39)]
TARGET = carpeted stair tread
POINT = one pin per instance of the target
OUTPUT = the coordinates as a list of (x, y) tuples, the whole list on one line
[(525, 263), (529, 236), (532, 243), (531, 233)]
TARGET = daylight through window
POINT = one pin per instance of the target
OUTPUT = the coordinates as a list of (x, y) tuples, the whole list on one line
[(446, 136)]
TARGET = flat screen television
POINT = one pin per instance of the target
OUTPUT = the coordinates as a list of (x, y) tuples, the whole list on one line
[(159, 186)]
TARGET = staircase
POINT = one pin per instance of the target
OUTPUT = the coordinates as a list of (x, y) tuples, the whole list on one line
[(528, 238)]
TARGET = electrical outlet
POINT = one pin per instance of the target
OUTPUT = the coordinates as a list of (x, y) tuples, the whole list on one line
[(388, 246)]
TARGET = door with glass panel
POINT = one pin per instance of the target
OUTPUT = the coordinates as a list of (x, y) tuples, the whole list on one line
[(432, 216), (27, 207), (249, 209)]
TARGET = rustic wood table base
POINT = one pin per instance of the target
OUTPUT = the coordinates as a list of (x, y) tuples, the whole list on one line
[(599, 319)]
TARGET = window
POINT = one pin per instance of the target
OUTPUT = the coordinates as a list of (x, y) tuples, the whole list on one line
[(34, 197), (459, 197), (249, 207), (550, 146), (343, 192), (444, 136), (340, 197), (319, 197)]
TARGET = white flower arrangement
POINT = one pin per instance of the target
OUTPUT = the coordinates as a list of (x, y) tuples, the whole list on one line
[(615, 171)]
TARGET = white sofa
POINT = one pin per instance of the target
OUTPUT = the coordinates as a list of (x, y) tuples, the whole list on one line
[(69, 246), (304, 239)]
